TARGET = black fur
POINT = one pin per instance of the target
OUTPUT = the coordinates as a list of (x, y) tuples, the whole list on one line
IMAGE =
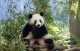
[(26, 30), (41, 14), (49, 43), (37, 32), (30, 16)]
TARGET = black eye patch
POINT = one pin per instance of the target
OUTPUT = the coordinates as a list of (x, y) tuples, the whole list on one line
[(35, 22), (40, 21)]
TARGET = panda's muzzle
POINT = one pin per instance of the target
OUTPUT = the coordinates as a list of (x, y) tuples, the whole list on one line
[(38, 25)]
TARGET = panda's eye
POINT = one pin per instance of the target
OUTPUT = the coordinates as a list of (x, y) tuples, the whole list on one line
[(35, 22), (40, 21)]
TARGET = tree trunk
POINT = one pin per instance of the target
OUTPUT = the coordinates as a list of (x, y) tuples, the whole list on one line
[(74, 22), (78, 21)]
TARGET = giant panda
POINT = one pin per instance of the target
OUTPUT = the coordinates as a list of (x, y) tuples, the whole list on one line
[(35, 31)]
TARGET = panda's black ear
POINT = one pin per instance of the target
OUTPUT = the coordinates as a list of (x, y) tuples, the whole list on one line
[(30, 16), (41, 13)]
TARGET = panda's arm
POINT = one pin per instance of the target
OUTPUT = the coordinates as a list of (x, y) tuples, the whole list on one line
[(26, 31), (44, 30)]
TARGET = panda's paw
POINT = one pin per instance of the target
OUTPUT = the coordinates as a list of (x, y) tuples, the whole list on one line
[(51, 50), (49, 43), (50, 47)]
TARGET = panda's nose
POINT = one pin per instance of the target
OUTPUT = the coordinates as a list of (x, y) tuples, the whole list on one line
[(38, 25)]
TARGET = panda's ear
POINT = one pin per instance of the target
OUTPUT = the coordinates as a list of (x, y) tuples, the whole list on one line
[(41, 13), (30, 16)]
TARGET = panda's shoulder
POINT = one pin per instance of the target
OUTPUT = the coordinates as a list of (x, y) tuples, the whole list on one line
[(26, 30), (27, 27)]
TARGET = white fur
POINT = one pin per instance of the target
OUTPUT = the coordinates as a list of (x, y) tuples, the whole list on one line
[(32, 42), (41, 41), (36, 17)]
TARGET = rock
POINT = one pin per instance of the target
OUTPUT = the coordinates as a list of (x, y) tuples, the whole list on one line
[(73, 49)]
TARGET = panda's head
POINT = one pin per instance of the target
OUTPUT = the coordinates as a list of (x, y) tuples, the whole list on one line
[(36, 19)]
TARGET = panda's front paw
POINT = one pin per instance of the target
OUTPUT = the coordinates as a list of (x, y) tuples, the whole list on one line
[(50, 47)]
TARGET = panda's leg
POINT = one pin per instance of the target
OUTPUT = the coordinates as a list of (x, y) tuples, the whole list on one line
[(32, 44), (49, 42), (41, 42)]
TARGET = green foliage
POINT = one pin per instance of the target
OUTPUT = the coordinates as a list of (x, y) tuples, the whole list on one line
[(11, 34)]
